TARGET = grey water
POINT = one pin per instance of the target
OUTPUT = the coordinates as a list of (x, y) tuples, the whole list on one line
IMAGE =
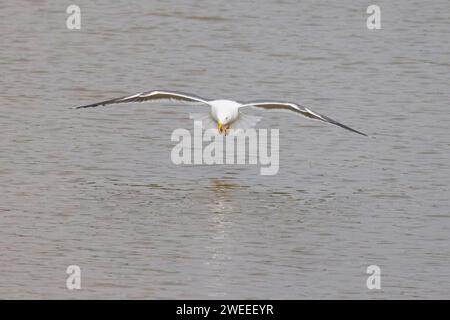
[(97, 188)]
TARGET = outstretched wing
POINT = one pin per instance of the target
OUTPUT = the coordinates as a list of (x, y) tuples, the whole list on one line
[(298, 109), (150, 96)]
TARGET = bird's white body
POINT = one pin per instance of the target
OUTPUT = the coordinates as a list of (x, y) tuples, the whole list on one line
[(224, 112)]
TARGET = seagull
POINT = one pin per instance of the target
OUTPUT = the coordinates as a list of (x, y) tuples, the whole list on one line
[(224, 114)]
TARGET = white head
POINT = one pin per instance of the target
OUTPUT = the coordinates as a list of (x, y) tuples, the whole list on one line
[(225, 111), (225, 117)]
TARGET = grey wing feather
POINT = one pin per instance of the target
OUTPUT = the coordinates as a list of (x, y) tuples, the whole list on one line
[(150, 96), (298, 109)]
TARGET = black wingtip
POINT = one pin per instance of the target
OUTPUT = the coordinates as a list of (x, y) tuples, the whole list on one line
[(78, 107), (343, 126), (351, 129), (90, 105), (361, 133), (348, 128)]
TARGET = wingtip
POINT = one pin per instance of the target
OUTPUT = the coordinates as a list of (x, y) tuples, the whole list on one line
[(364, 134), (84, 107)]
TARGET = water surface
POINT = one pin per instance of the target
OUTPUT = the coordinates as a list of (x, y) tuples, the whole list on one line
[(96, 188)]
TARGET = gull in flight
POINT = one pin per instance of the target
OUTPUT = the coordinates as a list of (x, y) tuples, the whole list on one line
[(224, 114)]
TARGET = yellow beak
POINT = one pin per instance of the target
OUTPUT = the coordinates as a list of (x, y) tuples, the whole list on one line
[(220, 126)]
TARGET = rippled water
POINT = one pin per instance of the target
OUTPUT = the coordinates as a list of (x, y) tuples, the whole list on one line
[(96, 188)]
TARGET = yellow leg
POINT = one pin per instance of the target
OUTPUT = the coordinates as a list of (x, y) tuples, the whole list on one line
[(223, 128)]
